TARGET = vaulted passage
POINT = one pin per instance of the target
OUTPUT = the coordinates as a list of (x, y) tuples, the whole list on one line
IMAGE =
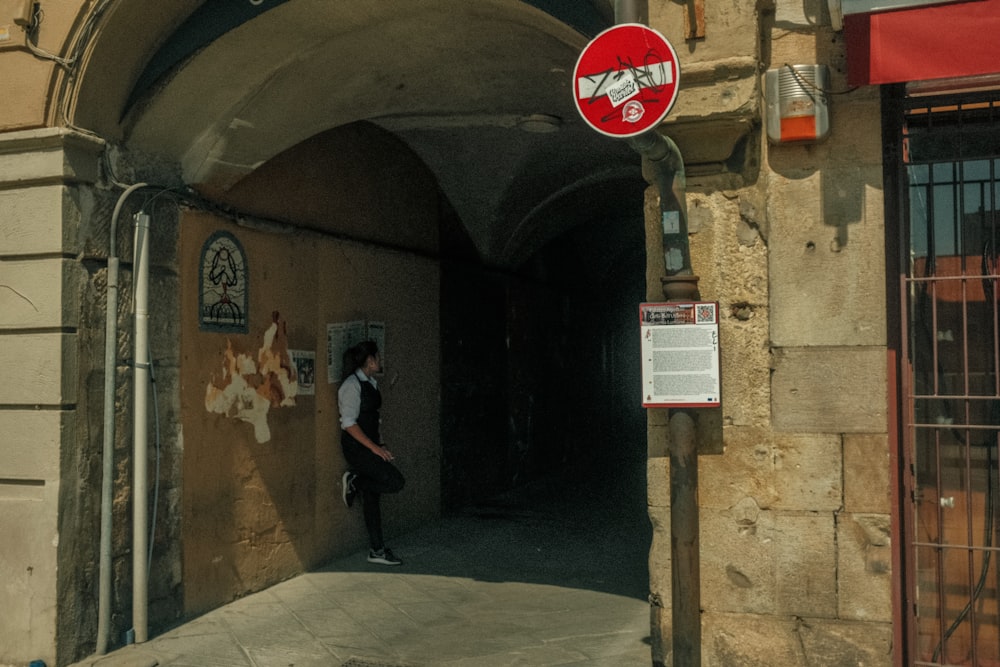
[(440, 190)]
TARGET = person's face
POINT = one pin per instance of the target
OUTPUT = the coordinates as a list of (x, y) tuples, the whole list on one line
[(372, 364)]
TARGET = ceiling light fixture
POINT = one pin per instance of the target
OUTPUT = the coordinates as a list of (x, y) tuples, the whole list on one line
[(539, 123)]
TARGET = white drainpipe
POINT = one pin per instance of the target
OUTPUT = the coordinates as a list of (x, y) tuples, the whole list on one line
[(140, 492), (107, 479)]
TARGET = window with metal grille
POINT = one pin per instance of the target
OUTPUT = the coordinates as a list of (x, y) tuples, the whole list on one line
[(951, 164)]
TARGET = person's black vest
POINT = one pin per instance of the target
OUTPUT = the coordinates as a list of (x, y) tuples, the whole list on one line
[(368, 417)]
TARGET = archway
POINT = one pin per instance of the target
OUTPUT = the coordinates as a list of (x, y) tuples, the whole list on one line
[(526, 195)]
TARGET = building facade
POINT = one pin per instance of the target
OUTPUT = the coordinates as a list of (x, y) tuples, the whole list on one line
[(202, 202)]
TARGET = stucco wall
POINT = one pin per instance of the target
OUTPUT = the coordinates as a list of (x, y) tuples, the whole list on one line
[(257, 511)]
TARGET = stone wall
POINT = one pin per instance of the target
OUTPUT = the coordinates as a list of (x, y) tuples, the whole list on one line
[(44, 459), (794, 518)]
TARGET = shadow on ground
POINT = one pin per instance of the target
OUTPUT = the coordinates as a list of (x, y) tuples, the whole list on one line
[(582, 530)]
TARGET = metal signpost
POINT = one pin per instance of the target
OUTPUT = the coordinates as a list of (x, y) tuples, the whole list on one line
[(625, 80)]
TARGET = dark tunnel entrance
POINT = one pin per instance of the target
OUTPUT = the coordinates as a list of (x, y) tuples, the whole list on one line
[(541, 366), (541, 377)]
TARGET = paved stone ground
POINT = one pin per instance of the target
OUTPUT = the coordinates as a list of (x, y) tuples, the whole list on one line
[(553, 575)]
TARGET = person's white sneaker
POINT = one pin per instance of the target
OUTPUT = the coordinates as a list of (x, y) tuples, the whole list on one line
[(347, 490), (383, 557)]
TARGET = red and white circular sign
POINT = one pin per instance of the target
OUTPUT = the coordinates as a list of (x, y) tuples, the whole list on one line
[(625, 81)]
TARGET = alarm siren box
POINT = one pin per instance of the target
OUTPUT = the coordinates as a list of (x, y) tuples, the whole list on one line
[(798, 109)]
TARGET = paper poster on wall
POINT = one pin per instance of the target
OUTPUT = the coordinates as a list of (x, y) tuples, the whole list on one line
[(341, 336), (305, 370), (680, 354)]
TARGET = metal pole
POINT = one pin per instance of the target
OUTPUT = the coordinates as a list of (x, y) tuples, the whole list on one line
[(685, 576), (140, 484), (685, 549), (679, 284), (630, 11), (107, 479)]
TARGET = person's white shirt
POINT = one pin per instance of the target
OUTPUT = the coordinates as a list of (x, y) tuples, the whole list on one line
[(349, 398)]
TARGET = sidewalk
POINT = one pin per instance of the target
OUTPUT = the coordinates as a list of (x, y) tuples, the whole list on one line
[(548, 577)]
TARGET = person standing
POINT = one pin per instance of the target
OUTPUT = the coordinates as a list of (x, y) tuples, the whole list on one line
[(370, 469)]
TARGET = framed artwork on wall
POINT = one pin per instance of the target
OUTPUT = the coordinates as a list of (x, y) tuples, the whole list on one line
[(224, 290)]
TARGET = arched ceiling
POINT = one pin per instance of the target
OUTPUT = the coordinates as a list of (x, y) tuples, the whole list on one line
[(480, 90)]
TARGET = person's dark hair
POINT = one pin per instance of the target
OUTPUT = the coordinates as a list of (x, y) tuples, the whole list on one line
[(355, 357)]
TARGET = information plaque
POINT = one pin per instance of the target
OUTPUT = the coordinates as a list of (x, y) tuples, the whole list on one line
[(680, 354)]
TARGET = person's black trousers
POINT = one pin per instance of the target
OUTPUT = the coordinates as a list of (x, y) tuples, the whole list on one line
[(374, 477)]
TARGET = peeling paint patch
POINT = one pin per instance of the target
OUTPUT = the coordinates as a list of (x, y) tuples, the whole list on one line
[(249, 387)]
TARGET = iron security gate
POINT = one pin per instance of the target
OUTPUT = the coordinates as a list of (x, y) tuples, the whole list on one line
[(950, 176)]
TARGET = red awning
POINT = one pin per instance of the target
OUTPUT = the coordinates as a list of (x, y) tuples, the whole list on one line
[(937, 42)]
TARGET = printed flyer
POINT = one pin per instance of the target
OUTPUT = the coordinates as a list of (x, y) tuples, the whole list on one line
[(680, 354)]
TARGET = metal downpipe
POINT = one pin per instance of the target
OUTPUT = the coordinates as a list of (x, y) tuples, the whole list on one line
[(630, 11), (679, 284), (685, 546)]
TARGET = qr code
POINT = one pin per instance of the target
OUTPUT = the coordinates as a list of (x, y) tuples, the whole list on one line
[(705, 313)]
